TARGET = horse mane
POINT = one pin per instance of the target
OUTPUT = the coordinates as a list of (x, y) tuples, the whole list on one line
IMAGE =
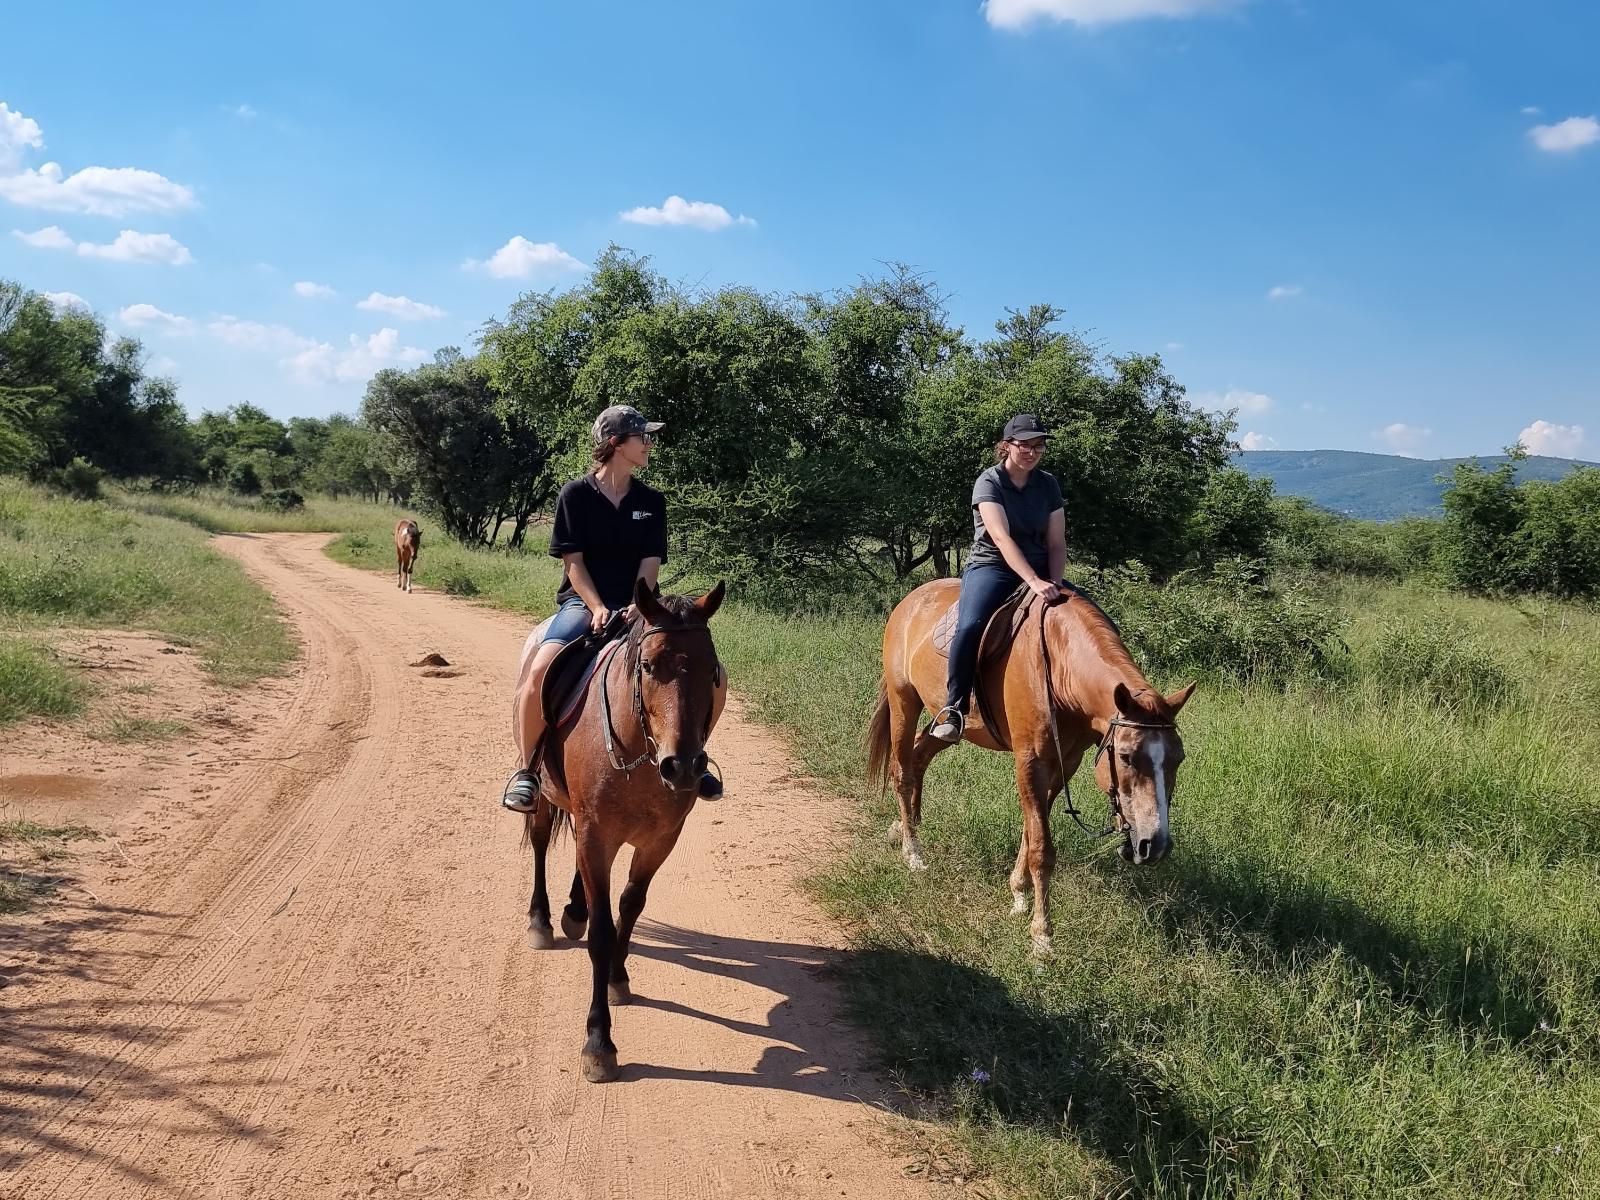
[(1108, 643)]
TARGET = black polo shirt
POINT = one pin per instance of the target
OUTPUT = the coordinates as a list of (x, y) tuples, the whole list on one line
[(613, 539), (1028, 511)]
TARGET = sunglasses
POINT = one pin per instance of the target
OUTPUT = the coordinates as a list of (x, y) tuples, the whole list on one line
[(1035, 445)]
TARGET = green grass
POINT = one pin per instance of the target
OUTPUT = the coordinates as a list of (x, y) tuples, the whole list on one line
[(67, 563), (33, 683), (1369, 969), (26, 850), (120, 727)]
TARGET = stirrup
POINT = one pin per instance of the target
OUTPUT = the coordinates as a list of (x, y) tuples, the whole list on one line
[(956, 718)]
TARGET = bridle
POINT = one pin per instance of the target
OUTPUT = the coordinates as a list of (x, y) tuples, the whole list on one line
[(1118, 822), (652, 752)]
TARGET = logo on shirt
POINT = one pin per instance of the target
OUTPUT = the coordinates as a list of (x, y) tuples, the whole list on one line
[(642, 516)]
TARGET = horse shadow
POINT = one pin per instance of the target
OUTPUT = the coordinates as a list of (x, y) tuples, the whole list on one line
[(940, 1038)]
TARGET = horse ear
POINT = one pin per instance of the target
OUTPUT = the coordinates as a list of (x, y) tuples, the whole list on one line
[(711, 601), (644, 599), (1123, 699), (1179, 698)]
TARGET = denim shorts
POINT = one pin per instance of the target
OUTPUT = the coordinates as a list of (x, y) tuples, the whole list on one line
[(571, 622)]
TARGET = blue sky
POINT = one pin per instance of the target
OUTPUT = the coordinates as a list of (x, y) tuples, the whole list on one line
[(1368, 226)]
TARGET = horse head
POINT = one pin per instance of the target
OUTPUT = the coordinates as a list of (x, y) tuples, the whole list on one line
[(1137, 767), (675, 671)]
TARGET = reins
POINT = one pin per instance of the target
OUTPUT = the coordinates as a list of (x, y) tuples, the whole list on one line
[(1117, 821)]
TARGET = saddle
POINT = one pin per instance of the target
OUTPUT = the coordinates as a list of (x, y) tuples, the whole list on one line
[(566, 680), (998, 635)]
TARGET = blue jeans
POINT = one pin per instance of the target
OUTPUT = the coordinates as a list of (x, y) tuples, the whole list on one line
[(983, 589), (572, 621)]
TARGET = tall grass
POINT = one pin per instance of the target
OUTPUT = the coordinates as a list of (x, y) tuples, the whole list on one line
[(70, 563)]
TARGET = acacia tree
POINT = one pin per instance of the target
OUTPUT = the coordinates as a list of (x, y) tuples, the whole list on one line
[(475, 470)]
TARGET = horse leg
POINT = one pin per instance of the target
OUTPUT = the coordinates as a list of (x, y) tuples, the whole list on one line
[(599, 1057), (575, 916), (540, 935), (1033, 789), (647, 861), (399, 569), (906, 766), (1020, 878)]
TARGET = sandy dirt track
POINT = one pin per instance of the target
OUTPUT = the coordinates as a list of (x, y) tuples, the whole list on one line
[(303, 971)]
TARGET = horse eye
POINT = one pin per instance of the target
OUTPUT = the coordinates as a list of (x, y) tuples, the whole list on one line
[(648, 667), (1126, 756)]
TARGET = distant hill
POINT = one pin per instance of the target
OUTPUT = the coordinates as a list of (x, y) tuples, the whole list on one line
[(1379, 487)]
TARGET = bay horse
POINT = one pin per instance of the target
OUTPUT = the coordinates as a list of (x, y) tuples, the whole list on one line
[(625, 769), (1064, 685), (407, 545)]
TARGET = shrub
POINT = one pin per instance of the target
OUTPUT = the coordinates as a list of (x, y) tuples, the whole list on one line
[(1229, 622), (458, 581), (1442, 660), (243, 479), (283, 500), (79, 479)]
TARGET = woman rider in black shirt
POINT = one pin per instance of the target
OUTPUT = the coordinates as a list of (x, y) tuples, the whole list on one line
[(610, 531)]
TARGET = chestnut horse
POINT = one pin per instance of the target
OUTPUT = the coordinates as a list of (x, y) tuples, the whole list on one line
[(626, 770), (407, 545), (1065, 684)]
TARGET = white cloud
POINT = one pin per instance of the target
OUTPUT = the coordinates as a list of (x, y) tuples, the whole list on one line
[(51, 237), (142, 315), (162, 365), (1173, 347), (1404, 439), (1285, 291), (17, 133), (1019, 14), (400, 306), (1257, 441), (1235, 400), (130, 246), (252, 335), (1559, 441), (1532, 110), (244, 112), (1566, 136), (140, 247), (699, 214), (97, 191), (519, 258), (358, 362), (65, 300), (312, 290)]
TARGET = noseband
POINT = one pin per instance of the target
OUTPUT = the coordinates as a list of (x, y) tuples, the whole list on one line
[(651, 753), (1118, 821)]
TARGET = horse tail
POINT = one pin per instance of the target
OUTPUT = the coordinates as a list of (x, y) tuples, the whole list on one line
[(561, 821), (878, 745)]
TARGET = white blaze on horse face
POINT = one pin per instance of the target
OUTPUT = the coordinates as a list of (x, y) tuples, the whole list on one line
[(1158, 756)]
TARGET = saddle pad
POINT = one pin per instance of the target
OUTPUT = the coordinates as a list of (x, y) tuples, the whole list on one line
[(570, 701), (1008, 617)]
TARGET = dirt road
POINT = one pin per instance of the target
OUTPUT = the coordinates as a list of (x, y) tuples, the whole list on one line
[(302, 970)]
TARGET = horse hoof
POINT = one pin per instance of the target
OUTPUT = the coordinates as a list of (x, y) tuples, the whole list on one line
[(1042, 946), (1019, 904), (573, 929), (892, 834), (914, 861), (618, 993), (540, 937), (601, 1067)]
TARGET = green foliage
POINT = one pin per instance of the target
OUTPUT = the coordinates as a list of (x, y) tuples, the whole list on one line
[(79, 479), (1227, 623), (1441, 660), (476, 470), (283, 500), (1500, 536), (34, 684)]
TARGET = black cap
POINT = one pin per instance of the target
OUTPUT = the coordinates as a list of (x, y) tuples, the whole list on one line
[(1024, 427), (621, 421)]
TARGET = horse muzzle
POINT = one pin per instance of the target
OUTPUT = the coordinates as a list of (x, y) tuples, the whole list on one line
[(683, 771), (1142, 851)]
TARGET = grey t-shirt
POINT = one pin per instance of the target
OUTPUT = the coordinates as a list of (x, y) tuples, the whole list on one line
[(1028, 511)]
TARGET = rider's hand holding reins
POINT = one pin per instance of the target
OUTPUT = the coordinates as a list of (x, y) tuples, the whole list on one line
[(1045, 590)]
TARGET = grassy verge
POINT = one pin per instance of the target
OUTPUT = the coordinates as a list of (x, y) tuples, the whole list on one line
[(1369, 970), (27, 852), (66, 563)]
